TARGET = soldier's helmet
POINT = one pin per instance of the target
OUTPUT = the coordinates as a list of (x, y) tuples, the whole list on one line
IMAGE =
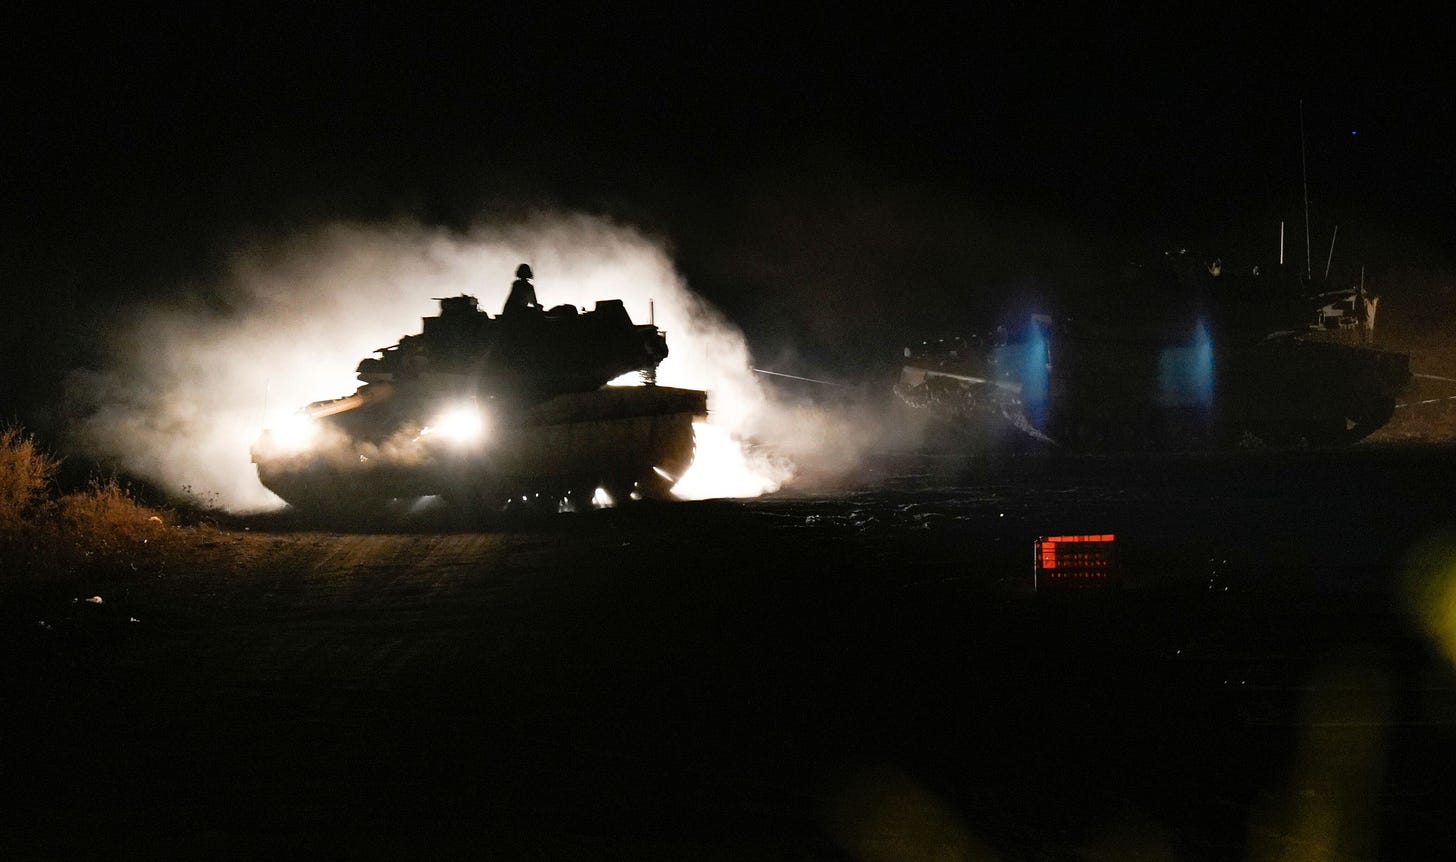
[(523, 271)]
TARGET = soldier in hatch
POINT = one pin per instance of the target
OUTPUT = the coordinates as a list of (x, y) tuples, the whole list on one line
[(523, 294)]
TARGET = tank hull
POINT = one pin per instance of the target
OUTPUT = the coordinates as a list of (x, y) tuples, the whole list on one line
[(631, 442)]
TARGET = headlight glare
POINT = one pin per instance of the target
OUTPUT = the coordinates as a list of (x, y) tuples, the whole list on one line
[(461, 425), (294, 432)]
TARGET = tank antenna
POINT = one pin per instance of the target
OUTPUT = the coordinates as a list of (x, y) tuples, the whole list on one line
[(651, 312), (1304, 169), (1367, 330), (1281, 243), (1332, 252)]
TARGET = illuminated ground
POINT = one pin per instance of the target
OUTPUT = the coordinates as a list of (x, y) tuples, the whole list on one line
[(856, 675)]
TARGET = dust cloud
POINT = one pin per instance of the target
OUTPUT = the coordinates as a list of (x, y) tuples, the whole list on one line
[(189, 385)]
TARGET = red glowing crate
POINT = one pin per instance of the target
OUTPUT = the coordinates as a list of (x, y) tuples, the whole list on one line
[(1081, 561)]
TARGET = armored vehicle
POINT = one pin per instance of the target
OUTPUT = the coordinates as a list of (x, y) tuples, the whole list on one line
[(1170, 355), (493, 412)]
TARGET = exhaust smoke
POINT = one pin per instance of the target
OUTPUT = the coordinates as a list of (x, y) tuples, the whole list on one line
[(189, 385)]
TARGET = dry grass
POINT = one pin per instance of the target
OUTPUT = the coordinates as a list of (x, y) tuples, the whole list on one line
[(99, 530), (1428, 414)]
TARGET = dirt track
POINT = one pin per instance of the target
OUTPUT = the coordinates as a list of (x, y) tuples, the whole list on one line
[(794, 677)]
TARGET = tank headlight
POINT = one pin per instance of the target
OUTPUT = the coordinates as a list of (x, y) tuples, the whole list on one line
[(461, 425), (294, 432)]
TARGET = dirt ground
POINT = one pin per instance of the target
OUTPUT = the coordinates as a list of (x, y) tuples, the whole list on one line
[(1427, 411), (862, 674)]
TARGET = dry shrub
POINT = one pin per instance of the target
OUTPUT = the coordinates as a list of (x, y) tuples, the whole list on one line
[(97, 530), (105, 532), (108, 516), (1428, 411), (26, 472)]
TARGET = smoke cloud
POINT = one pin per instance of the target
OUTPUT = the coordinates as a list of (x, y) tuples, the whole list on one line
[(189, 385)]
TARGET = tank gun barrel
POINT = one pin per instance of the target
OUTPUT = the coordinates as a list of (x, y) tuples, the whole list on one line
[(372, 393)]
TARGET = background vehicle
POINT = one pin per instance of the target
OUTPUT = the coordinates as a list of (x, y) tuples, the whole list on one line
[(1171, 355)]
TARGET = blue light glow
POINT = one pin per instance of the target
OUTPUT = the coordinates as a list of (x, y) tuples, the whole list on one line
[(1186, 372), (1035, 375)]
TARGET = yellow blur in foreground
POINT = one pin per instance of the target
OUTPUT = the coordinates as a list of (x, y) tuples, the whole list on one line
[(1430, 590)]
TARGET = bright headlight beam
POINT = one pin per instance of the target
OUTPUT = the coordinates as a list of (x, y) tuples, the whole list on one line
[(463, 425), (294, 432)]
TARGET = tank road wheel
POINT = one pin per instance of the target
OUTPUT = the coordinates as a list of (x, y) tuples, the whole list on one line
[(646, 484), (472, 503), (620, 490), (580, 499), (475, 495)]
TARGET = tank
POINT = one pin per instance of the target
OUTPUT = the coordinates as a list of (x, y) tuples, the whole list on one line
[(1170, 355), (492, 413)]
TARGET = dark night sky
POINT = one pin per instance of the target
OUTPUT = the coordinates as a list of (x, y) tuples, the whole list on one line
[(896, 161)]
